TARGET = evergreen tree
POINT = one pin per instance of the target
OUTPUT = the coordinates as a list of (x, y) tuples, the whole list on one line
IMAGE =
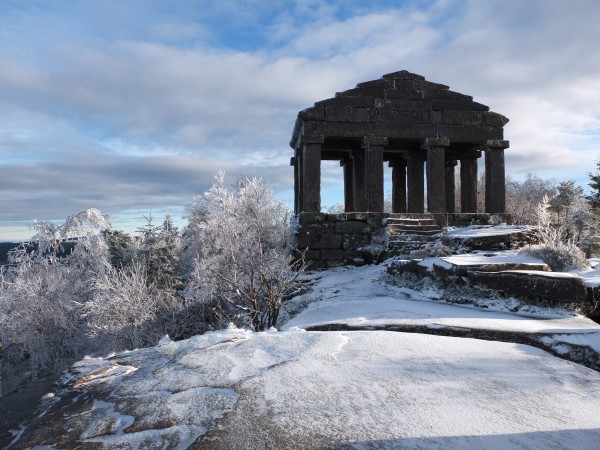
[(594, 198), (568, 199)]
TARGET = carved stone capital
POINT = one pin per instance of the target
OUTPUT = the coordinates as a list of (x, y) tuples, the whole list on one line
[(374, 140), (435, 142)]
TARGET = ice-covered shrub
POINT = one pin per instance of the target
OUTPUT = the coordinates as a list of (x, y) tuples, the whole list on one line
[(242, 267), (123, 309), (554, 249)]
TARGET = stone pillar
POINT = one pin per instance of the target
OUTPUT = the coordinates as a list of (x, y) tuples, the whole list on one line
[(398, 185), (436, 174), (311, 173), (373, 146), (450, 187), (294, 163), (359, 180), (495, 178), (346, 163), (468, 185), (416, 192)]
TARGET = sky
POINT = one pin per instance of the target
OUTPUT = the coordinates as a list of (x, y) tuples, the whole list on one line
[(132, 107)]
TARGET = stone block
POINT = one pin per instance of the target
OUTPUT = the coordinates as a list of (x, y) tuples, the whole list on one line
[(404, 89), (355, 240), (317, 240), (424, 84), (375, 220), (494, 119), (356, 102), (463, 117), (345, 129), (361, 216), (362, 92), (403, 75), (332, 253), (550, 287), (444, 94), (311, 218), (407, 131), (401, 103), (465, 105), (317, 113), (401, 116), (436, 117), (466, 133), (349, 114), (350, 226), (498, 133), (381, 83)]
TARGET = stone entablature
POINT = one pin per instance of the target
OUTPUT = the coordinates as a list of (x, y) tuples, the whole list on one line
[(411, 124)]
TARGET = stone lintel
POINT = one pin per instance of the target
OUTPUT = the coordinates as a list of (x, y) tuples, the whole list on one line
[(312, 139), (374, 140), (495, 143), (451, 163), (435, 142)]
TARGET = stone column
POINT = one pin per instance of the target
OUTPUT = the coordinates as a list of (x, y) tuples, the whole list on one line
[(436, 173), (450, 187), (416, 192), (398, 185), (294, 164), (311, 173), (346, 163), (373, 146), (495, 178), (359, 180), (468, 185)]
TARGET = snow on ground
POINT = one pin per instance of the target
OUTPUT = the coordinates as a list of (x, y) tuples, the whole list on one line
[(498, 257), (342, 389), (485, 231), (360, 297), (298, 389), (591, 276)]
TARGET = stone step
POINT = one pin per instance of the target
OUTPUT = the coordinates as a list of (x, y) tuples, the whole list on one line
[(414, 232), (406, 227), (414, 222)]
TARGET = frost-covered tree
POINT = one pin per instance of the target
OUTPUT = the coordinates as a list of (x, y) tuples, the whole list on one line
[(523, 197), (42, 292), (242, 265)]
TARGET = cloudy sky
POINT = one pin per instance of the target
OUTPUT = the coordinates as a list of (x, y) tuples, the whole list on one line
[(132, 106)]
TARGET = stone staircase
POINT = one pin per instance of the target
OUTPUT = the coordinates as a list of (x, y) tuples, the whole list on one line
[(407, 233)]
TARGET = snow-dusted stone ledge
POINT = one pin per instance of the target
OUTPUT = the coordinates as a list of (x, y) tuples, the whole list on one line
[(555, 287), (499, 237)]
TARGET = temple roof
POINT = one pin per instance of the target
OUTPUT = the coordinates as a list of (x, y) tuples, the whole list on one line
[(402, 107)]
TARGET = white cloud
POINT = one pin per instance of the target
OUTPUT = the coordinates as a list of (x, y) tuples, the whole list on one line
[(122, 95)]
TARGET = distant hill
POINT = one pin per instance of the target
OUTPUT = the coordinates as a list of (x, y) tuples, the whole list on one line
[(5, 247)]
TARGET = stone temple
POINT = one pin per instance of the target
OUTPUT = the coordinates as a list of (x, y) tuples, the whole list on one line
[(423, 130), (412, 124)]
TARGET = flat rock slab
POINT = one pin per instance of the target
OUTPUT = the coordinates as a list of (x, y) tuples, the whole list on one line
[(548, 286), (489, 238)]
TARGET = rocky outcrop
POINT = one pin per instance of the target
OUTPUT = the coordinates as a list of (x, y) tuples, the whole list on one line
[(551, 287)]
